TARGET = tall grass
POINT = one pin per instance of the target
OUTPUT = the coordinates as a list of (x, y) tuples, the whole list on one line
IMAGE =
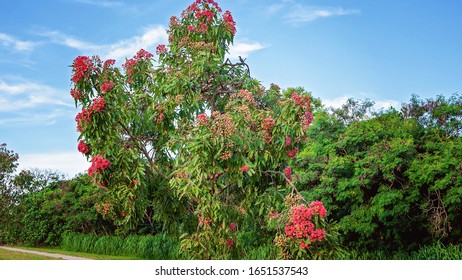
[(158, 247), (430, 252), (162, 247)]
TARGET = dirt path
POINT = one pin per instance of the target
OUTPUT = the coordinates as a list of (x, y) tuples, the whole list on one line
[(59, 256)]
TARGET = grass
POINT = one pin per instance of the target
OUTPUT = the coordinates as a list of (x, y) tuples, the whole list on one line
[(150, 247), (76, 254), (12, 255)]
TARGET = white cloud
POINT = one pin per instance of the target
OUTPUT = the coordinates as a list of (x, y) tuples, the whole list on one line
[(243, 49), (37, 118), (68, 163), (17, 45), (301, 13), (149, 39), (296, 13), (22, 94)]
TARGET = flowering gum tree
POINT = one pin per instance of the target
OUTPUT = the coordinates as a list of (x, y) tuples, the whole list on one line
[(188, 141)]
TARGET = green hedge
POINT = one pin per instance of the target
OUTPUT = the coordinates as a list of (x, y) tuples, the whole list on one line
[(153, 247)]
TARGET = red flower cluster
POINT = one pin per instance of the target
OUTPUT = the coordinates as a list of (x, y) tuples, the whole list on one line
[(161, 49), (287, 144), (292, 153), (296, 98), (318, 208), (142, 54), (301, 227), (107, 86), (82, 67), (202, 119), (81, 117), (194, 6), (232, 226), (108, 63), (83, 148), (229, 243), (288, 173), (76, 94), (130, 63), (205, 14), (268, 124), (229, 22), (244, 169), (98, 104), (306, 120), (202, 27), (303, 245), (98, 164)]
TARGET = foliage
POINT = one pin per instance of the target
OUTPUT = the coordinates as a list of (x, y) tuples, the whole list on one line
[(43, 215), (392, 181)]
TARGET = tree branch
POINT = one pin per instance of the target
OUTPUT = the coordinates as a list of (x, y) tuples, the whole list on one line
[(294, 189), (143, 150)]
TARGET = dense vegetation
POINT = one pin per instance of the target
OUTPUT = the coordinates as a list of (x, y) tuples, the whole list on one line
[(391, 181), (192, 156)]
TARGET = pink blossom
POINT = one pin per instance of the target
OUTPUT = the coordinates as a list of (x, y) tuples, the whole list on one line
[(244, 169)]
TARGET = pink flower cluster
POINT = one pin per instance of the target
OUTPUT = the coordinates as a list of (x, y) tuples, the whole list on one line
[(318, 208), (98, 104), (301, 227), (194, 6), (83, 148), (82, 67), (230, 24), (288, 173), (76, 94), (296, 98), (142, 54), (161, 49), (268, 124), (232, 226), (229, 243), (244, 169), (202, 119), (98, 164), (207, 14), (107, 86), (130, 63), (287, 144), (108, 63), (82, 117), (292, 153)]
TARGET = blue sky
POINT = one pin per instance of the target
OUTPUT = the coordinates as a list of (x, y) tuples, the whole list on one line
[(384, 50)]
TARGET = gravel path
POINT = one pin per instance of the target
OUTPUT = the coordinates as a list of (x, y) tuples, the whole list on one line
[(58, 256)]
